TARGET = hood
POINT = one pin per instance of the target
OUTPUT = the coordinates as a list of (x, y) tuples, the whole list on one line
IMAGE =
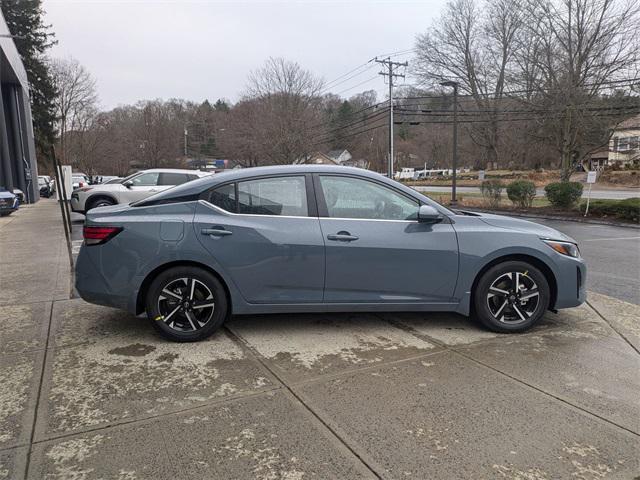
[(109, 187), (520, 225), (6, 194)]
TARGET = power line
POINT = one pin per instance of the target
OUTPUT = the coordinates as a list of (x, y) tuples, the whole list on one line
[(343, 137), (444, 122), (327, 89), (329, 85), (323, 124), (357, 85), (482, 113), (620, 83), (365, 119)]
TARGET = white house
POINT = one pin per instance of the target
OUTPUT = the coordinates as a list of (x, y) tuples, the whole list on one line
[(624, 146), (340, 156)]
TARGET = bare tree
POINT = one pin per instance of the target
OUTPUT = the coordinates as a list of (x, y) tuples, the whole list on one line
[(76, 97), (282, 105), (474, 47), (577, 49)]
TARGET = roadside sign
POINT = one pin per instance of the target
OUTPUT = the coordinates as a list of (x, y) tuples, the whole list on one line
[(591, 179), (481, 175)]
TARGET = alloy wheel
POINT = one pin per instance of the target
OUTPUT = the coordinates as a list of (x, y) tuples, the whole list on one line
[(185, 304), (513, 297)]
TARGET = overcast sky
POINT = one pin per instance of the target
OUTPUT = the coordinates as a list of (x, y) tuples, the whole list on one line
[(204, 50)]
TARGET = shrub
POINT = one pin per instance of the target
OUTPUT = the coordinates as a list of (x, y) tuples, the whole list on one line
[(492, 191), (563, 194), (627, 209), (521, 193)]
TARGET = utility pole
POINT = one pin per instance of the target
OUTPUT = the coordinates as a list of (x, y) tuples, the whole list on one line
[(390, 65), (454, 85)]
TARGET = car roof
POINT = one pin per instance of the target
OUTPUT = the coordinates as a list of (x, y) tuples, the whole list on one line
[(174, 170), (239, 173)]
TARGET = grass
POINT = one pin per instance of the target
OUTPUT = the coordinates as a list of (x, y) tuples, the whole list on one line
[(627, 210), (477, 200)]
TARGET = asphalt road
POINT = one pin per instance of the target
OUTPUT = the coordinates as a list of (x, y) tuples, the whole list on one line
[(612, 254), (617, 194)]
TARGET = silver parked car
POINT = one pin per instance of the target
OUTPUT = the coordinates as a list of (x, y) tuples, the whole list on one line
[(132, 188), (319, 239)]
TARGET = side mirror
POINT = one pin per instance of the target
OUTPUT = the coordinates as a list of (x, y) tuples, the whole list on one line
[(428, 214), (128, 184)]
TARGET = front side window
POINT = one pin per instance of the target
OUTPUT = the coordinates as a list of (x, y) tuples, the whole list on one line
[(348, 197), (273, 196), (145, 180)]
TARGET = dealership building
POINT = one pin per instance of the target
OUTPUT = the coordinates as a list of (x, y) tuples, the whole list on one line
[(18, 168)]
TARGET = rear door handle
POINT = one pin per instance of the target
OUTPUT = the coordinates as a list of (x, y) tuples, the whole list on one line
[(216, 232), (342, 237)]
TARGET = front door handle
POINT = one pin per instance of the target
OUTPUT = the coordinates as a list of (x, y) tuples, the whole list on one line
[(342, 237), (216, 232)]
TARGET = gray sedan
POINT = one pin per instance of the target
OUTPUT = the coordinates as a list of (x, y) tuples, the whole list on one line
[(318, 239)]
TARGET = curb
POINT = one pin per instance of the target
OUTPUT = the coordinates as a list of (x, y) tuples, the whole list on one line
[(592, 221)]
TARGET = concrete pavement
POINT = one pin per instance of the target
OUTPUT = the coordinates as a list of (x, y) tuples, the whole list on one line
[(91, 392)]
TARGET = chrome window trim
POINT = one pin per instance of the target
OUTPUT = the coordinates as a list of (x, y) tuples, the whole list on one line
[(226, 212)]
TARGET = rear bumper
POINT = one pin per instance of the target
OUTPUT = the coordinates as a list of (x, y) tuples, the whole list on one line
[(94, 287)]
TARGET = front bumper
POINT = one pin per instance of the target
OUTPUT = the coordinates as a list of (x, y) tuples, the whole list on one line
[(76, 205), (9, 205), (571, 278)]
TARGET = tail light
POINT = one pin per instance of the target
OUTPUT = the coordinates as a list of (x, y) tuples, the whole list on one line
[(99, 235), (84, 189)]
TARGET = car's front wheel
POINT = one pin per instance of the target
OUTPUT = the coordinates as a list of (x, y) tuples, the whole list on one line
[(100, 202), (186, 304), (511, 297)]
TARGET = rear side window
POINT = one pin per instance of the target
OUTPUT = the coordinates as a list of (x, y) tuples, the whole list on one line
[(273, 196), (224, 197), (167, 178)]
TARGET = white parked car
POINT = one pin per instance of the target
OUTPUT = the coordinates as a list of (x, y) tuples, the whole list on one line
[(79, 180), (132, 188)]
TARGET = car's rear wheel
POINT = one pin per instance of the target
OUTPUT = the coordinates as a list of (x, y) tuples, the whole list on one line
[(511, 297), (100, 202), (186, 304)]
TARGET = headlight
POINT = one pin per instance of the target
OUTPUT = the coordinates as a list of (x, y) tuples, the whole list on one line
[(564, 248)]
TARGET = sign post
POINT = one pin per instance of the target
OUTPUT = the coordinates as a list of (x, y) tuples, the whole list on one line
[(591, 179)]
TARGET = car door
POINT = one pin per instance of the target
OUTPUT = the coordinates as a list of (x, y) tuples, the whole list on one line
[(376, 250), (141, 186), (265, 234)]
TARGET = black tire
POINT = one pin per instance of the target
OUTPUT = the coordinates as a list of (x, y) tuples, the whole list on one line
[(514, 311), (100, 202), (5, 214), (191, 321)]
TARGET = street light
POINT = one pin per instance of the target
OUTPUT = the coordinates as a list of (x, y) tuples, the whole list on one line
[(454, 85)]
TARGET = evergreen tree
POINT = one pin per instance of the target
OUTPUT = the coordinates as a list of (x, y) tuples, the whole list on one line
[(221, 106), (32, 39)]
